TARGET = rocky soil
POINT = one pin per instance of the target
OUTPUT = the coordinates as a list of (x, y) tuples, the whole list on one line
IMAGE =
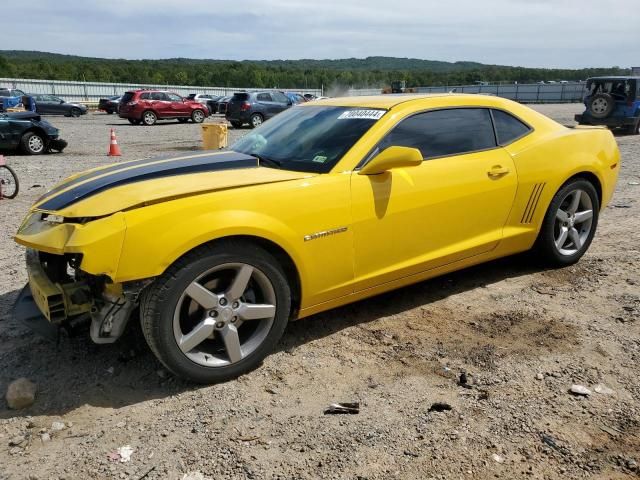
[(522, 336)]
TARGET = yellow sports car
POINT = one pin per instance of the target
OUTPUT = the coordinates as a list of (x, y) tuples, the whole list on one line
[(326, 204)]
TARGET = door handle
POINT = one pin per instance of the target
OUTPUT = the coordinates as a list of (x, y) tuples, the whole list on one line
[(497, 171)]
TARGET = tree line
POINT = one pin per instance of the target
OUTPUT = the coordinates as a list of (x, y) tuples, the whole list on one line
[(371, 72)]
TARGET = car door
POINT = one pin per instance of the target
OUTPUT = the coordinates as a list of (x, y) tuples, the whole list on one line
[(6, 136), (177, 107), (43, 103), (452, 206), (265, 105), (281, 101), (57, 106), (160, 104)]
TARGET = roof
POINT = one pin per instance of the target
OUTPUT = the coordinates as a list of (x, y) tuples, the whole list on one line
[(385, 101), (388, 101), (615, 77)]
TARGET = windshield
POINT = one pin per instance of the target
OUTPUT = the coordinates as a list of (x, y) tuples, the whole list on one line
[(308, 139)]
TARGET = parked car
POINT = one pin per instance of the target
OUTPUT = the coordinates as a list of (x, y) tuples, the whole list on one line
[(52, 105), (149, 106), (295, 98), (309, 96), (328, 203), (11, 92), (255, 107), (209, 100), (222, 104), (110, 104), (612, 101), (28, 132)]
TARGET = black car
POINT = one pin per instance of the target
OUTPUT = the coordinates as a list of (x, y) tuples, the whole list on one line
[(255, 107), (211, 101), (52, 105), (221, 106), (110, 104), (29, 132)]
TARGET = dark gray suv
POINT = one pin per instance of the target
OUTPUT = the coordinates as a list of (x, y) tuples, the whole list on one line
[(255, 107)]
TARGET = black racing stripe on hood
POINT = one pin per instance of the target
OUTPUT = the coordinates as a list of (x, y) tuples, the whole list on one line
[(112, 168), (227, 161)]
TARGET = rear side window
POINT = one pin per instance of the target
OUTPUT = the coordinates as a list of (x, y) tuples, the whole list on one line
[(508, 127), (241, 97), (264, 97), (127, 97), (145, 96), (445, 132)]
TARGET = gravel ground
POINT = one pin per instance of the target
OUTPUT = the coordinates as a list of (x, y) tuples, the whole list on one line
[(522, 335)]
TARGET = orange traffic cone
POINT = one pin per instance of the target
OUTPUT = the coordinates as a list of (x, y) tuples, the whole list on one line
[(114, 149)]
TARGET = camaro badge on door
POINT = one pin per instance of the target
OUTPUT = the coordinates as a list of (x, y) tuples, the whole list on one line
[(325, 233)]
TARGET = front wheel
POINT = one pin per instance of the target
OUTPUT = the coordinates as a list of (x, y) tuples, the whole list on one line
[(197, 116), (75, 112), (33, 143), (9, 184), (217, 312), (569, 224)]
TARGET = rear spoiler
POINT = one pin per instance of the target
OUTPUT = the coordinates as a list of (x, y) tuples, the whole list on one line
[(586, 127)]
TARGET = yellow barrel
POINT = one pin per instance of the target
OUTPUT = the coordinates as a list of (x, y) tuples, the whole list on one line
[(214, 136)]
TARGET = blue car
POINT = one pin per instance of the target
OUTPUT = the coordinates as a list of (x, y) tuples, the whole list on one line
[(614, 102)]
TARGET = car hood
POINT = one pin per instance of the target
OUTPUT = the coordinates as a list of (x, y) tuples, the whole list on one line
[(106, 190)]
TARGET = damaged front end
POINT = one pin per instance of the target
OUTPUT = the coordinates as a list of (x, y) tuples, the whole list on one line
[(71, 265), (61, 296)]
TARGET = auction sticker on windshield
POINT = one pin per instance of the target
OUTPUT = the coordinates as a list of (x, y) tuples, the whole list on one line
[(370, 114)]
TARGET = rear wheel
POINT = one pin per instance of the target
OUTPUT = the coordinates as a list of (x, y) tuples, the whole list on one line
[(133, 121), (149, 118), (256, 120), (75, 112), (569, 224), (9, 184), (197, 116), (236, 124), (32, 143), (601, 105), (217, 312)]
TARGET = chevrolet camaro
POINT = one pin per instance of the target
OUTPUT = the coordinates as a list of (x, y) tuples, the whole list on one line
[(328, 203)]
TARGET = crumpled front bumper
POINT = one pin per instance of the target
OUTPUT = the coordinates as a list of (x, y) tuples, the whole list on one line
[(26, 311)]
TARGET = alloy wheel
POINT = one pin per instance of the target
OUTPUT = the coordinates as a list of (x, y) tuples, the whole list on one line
[(599, 105), (224, 315), (573, 222), (36, 144), (256, 121)]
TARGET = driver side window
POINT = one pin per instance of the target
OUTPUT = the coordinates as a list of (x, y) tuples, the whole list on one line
[(441, 133)]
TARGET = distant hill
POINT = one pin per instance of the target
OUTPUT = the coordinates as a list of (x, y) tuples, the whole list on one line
[(371, 72)]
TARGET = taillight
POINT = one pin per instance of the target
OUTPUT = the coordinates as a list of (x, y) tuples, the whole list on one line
[(245, 106)]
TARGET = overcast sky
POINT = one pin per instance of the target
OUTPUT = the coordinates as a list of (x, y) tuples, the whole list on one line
[(532, 33)]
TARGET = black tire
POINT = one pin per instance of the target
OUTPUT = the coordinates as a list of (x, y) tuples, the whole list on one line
[(75, 112), (198, 116), (33, 143), (236, 124), (256, 120), (161, 299), (110, 112), (149, 118), (134, 121), (601, 105), (545, 246), (10, 177)]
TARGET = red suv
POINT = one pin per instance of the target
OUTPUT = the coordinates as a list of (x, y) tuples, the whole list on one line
[(149, 106)]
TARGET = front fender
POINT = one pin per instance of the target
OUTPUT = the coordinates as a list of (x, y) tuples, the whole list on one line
[(152, 244)]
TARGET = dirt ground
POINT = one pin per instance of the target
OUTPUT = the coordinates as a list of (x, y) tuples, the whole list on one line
[(521, 334)]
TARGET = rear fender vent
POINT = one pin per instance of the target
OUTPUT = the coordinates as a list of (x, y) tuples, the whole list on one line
[(532, 204)]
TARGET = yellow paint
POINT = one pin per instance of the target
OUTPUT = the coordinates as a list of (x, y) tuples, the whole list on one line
[(404, 225)]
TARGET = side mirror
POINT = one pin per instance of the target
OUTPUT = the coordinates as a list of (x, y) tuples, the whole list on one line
[(392, 157)]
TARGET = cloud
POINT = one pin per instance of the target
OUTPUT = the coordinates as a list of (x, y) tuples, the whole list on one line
[(541, 33)]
